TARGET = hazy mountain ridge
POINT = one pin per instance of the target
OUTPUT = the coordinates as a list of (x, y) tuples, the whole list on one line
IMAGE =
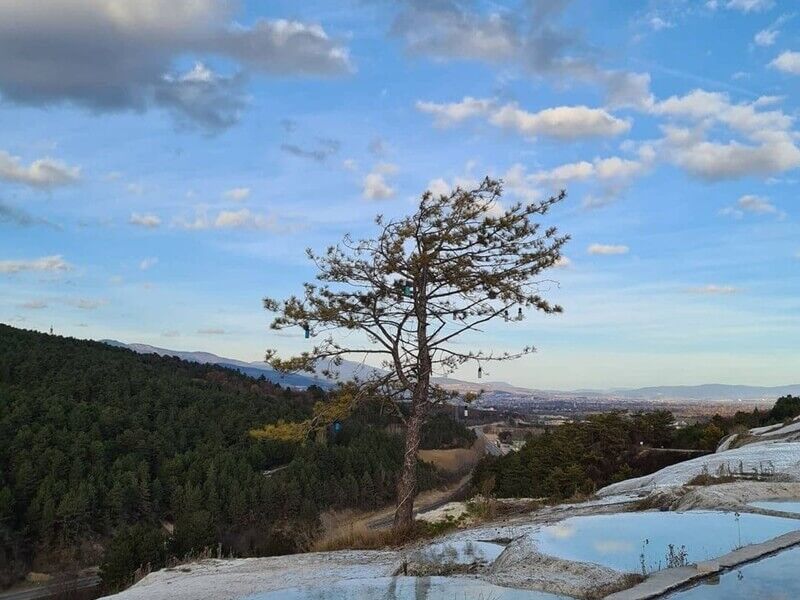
[(498, 389)]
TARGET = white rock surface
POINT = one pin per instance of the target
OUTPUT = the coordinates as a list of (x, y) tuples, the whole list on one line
[(780, 458), (237, 578)]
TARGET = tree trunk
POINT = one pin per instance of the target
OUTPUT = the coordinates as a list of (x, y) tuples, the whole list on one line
[(407, 484)]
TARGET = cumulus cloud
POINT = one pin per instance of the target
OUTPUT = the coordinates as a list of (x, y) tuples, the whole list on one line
[(713, 289), (202, 98), (530, 39), (788, 62), (701, 105), (238, 194), (110, 55), (714, 161), (230, 219), (445, 30), (375, 185), (145, 220), (751, 203), (766, 37), (564, 122), (607, 249), (52, 264), (561, 122), (610, 177), (42, 173), (445, 115), (766, 143)]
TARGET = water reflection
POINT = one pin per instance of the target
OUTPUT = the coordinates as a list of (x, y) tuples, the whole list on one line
[(790, 506), (636, 542), (772, 578), (406, 588), (458, 553)]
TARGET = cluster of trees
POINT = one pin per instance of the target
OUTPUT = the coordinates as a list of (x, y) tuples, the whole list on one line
[(578, 458), (102, 448)]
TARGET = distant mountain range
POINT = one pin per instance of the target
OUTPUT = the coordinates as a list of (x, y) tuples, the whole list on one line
[(253, 369), (498, 390)]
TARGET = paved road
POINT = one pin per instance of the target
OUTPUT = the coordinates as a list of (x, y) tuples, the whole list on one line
[(53, 590)]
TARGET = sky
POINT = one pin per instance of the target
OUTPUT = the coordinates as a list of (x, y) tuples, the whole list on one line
[(164, 164)]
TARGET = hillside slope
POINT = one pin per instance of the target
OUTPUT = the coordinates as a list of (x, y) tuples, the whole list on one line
[(104, 447)]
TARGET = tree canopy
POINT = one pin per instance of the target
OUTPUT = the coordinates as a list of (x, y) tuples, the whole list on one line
[(410, 297)]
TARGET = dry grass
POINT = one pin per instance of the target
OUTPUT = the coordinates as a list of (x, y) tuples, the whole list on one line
[(455, 461), (352, 536), (704, 479), (358, 536)]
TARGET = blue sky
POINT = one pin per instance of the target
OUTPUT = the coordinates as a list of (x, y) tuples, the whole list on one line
[(163, 165)]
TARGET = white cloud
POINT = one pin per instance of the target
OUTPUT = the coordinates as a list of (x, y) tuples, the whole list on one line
[(230, 219), (751, 203), (756, 204), (235, 219), (769, 146), (766, 37), (562, 263), (788, 62), (171, 334), (700, 105), (55, 263), (607, 249), (147, 263), (611, 176), (375, 186), (41, 173), (713, 289), (657, 23), (749, 5), (713, 161), (237, 194), (563, 122), (452, 113), (350, 164), (145, 220)]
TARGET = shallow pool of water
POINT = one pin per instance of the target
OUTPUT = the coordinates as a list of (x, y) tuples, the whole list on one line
[(633, 542), (406, 588), (461, 553), (772, 578), (792, 506)]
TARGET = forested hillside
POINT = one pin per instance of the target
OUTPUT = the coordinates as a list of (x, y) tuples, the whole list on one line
[(95, 439)]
